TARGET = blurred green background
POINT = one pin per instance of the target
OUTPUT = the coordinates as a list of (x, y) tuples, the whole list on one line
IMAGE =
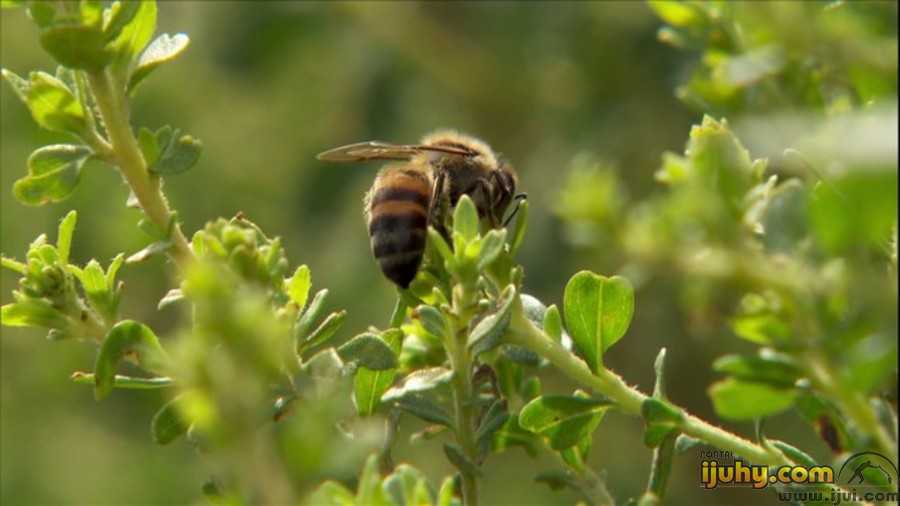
[(266, 86)]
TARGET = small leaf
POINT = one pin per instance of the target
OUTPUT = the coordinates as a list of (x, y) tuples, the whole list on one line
[(168, 423), (776, 371), (20, 86), (465, 219), (564, 420), (53, 174), (486, 334), (120, 14), (437, 240), (331, 493), (512, 434), (496, 417), (177, 156), (445, 495), (659, 367), (33, 313), (309, 317), (150, 148), (153, 248), (369, 351), (368, 385), (521, 226), (794, 453), (433, 321), (405, 487), (684, 443), (76, 46), (676, 13), (53, 106), (11, 4), (163, 49), (740, 400), (419, 381), (553, 323), (369, 491), (64, 236), (491, 246), (456, 457), (130, 29), (598, 311), (126, 382), (424, 408), (172, 296), (297, 287), (125, 337), (325, 331)]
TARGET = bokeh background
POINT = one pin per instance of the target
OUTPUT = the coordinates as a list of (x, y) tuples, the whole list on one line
[(267, 85)]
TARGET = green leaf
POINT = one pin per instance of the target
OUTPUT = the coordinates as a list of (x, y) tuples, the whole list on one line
[(553, 323), (126, 382), (76, 46), (495, 417), (331, 493), (53, 106), (564, 420), (297, 287), (433, 321), (172, 296), (456, 457), (684, 443), (741, 400), (20, 86), (150, 148), (676, 13), (368, 385), (369, 491), (720, 162), (420, 381), (325, 331), (13, 265), (64, 236), (465, 219), (521, 226), (117, 16), (775, 370), (598, 311), (856, 210), (437, 240), (309, 317), (178, 155), (405, 487), (512, 434), (163, 49), (659, 367), (154, 248), (486, 334), (130, 29), (491, 246), (424, 408), (126, 337), (168, 423), (53, 174), (369, 351), (445, 495), (11, 4), (792, 452), (33, 313)]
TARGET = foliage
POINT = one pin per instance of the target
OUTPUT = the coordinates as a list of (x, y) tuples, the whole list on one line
[(264, 382)]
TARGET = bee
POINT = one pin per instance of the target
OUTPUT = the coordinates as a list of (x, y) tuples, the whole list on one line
[(415, 190)]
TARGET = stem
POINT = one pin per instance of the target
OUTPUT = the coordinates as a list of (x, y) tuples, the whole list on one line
[(463, 395), (628, 399), (854, 405), (659, 472), (113, 106)]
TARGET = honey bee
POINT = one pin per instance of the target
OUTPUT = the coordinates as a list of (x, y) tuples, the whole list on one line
[(408, 196)]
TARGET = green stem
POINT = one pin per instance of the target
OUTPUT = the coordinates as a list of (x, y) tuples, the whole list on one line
[(463, 394), (628, 399), (852, 404), (660, 470), (126, 154)]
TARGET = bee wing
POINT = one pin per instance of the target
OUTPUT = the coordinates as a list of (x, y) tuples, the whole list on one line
[(376, 150)]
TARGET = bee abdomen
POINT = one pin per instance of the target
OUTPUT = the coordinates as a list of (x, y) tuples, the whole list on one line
[(397, 225)]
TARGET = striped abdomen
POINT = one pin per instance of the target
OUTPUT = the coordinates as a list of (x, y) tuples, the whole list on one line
[(398, 218)]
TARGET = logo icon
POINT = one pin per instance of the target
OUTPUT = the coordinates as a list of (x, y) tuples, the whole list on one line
[(868, 469)]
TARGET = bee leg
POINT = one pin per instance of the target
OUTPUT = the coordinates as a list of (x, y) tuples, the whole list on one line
[(436, 211)]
